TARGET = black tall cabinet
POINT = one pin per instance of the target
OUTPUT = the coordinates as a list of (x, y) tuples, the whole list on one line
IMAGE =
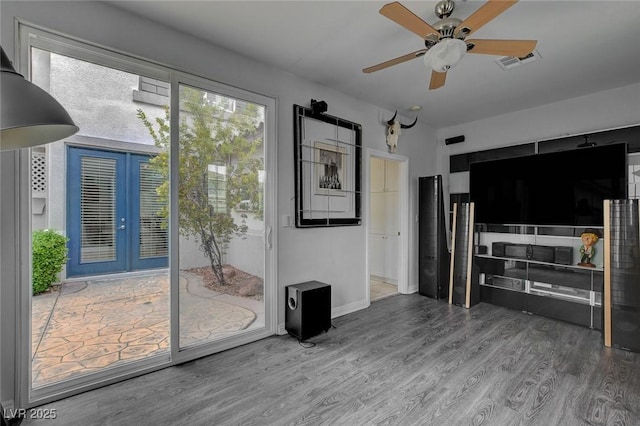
[(433, 250)]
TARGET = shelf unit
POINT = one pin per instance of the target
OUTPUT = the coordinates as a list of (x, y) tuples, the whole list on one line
[(536, 270)]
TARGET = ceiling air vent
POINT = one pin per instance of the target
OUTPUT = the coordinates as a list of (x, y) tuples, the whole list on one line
[(509, 62)]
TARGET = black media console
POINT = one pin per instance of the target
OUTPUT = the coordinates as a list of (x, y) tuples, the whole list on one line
[(535, 269)]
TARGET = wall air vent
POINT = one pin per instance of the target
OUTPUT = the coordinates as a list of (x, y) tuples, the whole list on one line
[(509, 62)]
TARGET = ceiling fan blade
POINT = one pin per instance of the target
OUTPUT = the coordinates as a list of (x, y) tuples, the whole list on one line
[(517, 48), (403, 16), (395, 61), (486, 13), (437, 79)]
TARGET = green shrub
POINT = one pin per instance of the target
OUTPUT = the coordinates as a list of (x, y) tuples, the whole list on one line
[(49, 254)]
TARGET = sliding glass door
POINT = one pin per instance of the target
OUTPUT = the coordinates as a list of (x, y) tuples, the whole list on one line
[(220, 214), (105, 309), (159, 209)]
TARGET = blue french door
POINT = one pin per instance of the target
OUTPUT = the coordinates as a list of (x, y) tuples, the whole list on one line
[(112, 221)]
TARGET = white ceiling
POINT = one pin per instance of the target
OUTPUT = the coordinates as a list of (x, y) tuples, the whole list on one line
[(584, 47)]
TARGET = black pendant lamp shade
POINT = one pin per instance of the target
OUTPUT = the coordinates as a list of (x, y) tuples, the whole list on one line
[(29, 116)]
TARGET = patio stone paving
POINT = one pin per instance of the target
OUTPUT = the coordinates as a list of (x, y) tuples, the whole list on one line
[(91, 325)]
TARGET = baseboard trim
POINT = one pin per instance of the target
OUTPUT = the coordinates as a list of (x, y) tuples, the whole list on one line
[(347, 309), (8, 404), (335, 312), (412, 289), (281, 330), (8, 412)]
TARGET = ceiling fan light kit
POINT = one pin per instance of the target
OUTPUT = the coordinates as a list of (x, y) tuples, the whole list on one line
[(445, 55), (445, 41)]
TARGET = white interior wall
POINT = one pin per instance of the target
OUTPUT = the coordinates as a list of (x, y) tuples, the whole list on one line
[(336, 256), (590, 113), (308, 253)]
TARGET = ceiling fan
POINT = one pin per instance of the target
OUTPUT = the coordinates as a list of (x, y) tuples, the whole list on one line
[(445, 41)]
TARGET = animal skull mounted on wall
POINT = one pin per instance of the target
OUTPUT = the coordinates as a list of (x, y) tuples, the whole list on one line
[(394, 130)]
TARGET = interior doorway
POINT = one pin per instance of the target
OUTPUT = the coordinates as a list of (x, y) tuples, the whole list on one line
[(388, 263)]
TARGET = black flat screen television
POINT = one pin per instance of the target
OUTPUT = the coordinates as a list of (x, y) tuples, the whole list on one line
[(559, 188)]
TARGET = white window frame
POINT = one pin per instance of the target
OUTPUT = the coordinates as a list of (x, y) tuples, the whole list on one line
[(29, 36)]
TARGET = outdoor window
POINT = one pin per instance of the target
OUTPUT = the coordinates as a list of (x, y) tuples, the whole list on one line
[(154, 238), (152, 91), (224, 103), (217, 188), (97, 209)]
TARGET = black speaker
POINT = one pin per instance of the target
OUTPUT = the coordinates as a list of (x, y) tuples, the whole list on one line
[(433, 250), (455, 139), (518, 251), (480, 249), (625, 328), (563, 255), (464, 289), (308, 311), (529, 252), (318, 107), (541, 253), (498, 249), (622, 292)]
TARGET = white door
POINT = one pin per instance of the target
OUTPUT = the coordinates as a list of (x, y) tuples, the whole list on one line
[(384, 231)]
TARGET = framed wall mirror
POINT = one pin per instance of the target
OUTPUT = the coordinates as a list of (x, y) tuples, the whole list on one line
[(328, 169)]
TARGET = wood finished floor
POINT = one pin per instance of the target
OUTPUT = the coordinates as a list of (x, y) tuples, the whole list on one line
[(379, 290), (406, 360)]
